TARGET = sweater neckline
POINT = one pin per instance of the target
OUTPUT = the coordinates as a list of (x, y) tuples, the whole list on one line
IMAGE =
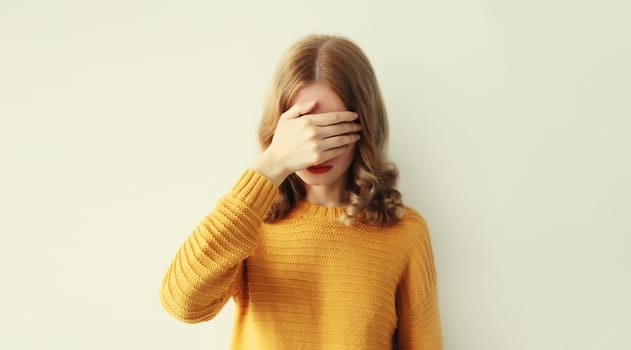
[(315, 211)]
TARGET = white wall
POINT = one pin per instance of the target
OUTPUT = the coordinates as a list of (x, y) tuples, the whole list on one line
[(122, 122)]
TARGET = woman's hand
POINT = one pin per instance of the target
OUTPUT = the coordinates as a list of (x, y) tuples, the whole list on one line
[(302, 140)]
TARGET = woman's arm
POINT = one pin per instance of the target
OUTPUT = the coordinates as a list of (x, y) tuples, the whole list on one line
[(419, 325), (207, 269)]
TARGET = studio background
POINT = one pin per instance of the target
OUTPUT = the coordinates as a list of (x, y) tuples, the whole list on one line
[(123, 122)]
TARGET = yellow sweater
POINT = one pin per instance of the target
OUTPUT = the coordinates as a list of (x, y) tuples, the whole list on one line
[(308, 281)]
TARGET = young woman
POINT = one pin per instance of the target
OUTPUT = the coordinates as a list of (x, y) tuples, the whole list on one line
[(313, 241)]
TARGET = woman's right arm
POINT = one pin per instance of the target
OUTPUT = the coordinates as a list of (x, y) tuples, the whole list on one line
[(207, 268)]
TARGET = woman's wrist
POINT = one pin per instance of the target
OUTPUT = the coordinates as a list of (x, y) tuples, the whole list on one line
[(270, 168)]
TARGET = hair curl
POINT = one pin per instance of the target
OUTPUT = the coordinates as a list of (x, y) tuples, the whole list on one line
[(341, 65)]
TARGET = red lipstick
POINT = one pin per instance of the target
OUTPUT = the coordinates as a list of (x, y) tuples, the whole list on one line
[(319, 169)]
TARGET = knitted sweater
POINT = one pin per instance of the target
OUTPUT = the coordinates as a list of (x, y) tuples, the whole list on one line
[(307, 281)]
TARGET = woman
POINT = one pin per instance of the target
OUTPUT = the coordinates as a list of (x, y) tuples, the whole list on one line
[(313, 241)]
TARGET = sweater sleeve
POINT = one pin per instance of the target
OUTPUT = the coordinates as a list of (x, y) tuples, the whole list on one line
[(419, 324), (207, 268)]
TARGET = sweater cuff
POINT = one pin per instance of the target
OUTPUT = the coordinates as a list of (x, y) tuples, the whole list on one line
[(256, 190)]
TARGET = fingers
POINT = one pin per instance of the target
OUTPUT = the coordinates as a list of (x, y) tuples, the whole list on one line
[(333, 152), (297, 110), (323, 119), (338, 141), (338, 129)]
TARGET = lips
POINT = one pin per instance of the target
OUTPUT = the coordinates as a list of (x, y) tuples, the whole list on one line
[(319, 169)]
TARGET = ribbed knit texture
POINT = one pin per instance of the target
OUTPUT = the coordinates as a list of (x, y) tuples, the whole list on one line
[(308, 281)]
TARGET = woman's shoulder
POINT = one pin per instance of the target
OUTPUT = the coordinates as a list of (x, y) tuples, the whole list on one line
[(413, 225), (413, 217), (416, 233)]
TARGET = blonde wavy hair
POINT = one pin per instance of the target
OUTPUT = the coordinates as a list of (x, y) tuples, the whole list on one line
[(341, 65)]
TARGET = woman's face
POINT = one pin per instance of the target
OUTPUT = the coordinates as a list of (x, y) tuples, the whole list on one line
[(327, 101)]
